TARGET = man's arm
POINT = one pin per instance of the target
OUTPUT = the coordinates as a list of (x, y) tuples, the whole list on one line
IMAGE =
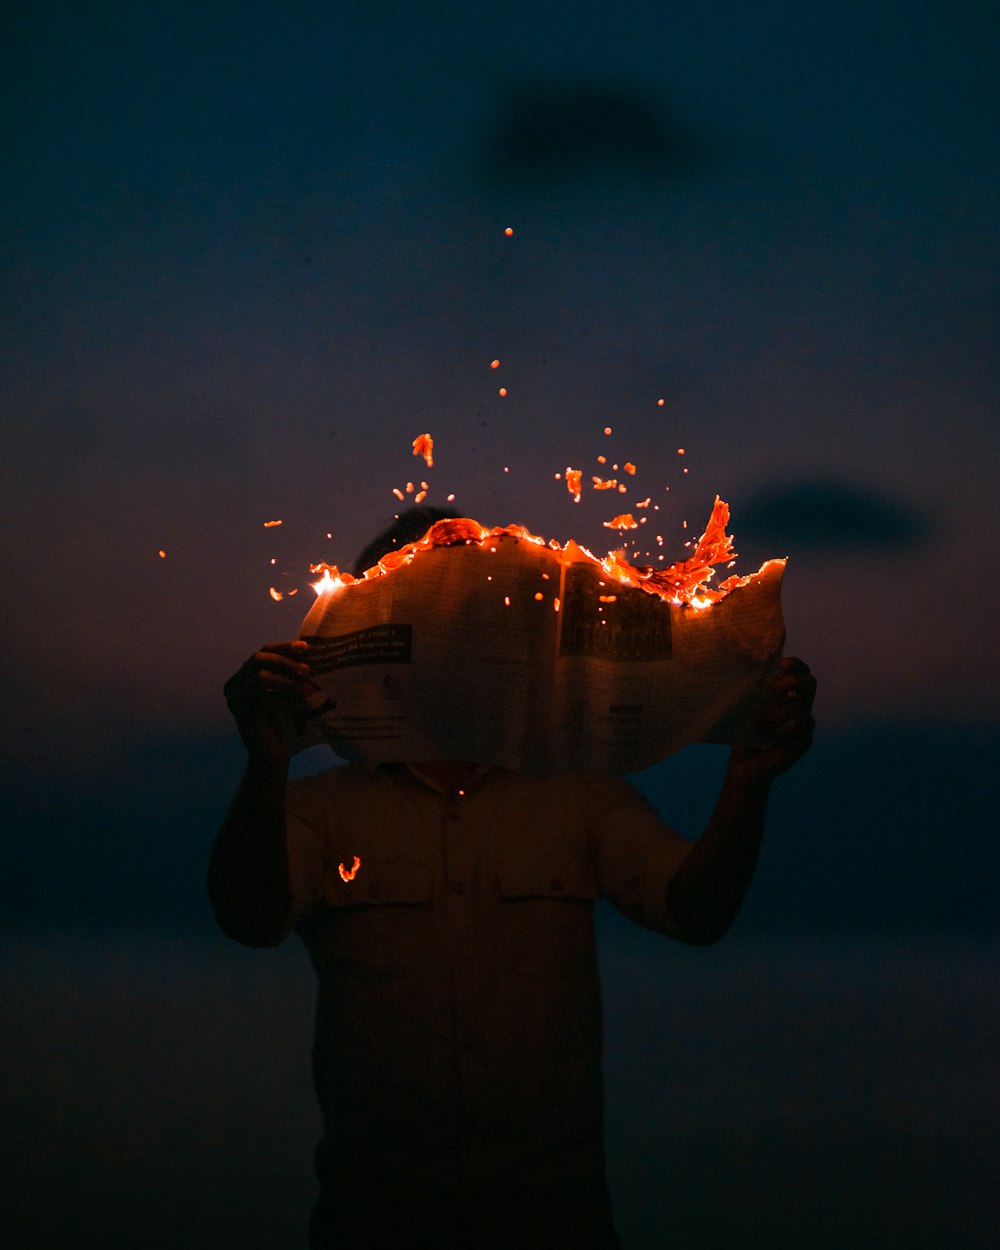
[(706, 893), (248, 877)]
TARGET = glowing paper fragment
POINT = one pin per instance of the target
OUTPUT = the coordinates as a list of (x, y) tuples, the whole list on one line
[(348, 874), (423, 445)]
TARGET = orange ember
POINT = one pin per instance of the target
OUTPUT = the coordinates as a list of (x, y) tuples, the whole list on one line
[(684, 582), (626, 521), (574, 478), (348, 874), (423, 445), (270, 524)]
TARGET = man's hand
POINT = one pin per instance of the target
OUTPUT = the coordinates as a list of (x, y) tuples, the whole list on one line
[(784, 729), (268, 697)]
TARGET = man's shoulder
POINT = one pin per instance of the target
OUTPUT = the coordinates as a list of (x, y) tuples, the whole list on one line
[(330, 781)]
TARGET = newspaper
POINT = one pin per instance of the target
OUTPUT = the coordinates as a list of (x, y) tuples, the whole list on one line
[(515, 654)]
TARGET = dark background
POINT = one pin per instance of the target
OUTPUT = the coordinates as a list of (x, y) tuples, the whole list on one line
[(249, 252)]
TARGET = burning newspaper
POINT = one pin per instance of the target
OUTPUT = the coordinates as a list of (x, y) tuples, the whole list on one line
[(542, 659)]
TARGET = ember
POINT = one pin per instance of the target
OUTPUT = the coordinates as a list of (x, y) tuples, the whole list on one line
[(423, 445), (348, 874), (683, 582)]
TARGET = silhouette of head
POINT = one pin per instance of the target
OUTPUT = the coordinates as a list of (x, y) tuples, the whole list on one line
[(407, 528)]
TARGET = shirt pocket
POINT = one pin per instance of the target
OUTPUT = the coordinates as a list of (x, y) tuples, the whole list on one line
[(546, 915), (379, 922), (377, 882)]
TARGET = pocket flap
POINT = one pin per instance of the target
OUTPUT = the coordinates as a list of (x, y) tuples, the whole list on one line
[(377, 882), (547, 878)]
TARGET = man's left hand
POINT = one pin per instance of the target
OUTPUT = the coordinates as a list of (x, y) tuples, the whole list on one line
[(784, 729)]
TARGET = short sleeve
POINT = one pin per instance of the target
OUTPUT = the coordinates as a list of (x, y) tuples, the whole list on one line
[(635, 852)]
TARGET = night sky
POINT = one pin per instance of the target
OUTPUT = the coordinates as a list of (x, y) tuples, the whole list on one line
[(249, 253)]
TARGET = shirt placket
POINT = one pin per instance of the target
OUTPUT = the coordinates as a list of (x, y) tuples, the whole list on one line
[(468, 910)]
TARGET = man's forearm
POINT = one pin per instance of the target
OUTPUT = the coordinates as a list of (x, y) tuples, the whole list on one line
[(248, 880), (705, 896)]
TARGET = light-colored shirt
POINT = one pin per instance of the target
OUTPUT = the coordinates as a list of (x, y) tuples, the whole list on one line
[(458, 1032)]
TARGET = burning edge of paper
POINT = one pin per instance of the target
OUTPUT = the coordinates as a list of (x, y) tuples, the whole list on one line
[(685, 582)]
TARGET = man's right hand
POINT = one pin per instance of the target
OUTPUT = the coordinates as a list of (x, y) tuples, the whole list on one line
[(268, 697)]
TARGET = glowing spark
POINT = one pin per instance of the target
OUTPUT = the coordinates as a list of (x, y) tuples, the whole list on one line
[(398, 493), (660, 403), (623, 522), (539, 596), (270, 524), (573, 479), (331, 578), (607, 429), (630, 468), (494, 364), (423, 445), (348, 874), (162, 554), (276, 595), (502, 392), (509, 231)]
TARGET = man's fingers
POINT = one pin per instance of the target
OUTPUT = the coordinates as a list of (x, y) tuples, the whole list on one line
[(291, 646), (794, 686), (268, 673)]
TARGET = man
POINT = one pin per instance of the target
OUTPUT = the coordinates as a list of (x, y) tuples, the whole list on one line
[(448, 911)]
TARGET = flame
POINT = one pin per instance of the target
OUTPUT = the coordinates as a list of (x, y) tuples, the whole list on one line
[(574, 480), (626, 521), (683, 582), (423, 445), (330, 579)]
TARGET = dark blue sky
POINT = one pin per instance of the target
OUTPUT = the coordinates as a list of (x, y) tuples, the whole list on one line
[(251, 251)]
